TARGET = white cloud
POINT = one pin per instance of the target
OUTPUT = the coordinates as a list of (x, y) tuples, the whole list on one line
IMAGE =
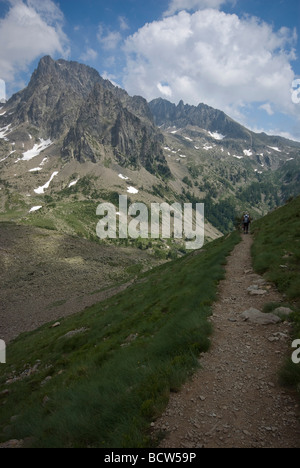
[(123, 23), (30, 29), (268, 108), (108, 39), (47, 9), (179, 5), (164, 89), (212, 57), (89, 55), (276, 131)]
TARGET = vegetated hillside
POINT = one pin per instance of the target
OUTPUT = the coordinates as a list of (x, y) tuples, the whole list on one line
[(230, 167), (100, 378), (276, 252)]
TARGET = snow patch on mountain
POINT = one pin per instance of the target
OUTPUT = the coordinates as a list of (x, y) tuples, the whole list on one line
[(275, 148), (4, 131), (216, 135), (123, 177), (72, 184), (35, 169), (35, 208), (36, 150), (132, 190), (41, 190)]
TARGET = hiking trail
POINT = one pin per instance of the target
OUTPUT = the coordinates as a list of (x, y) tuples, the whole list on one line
[(235, 399)]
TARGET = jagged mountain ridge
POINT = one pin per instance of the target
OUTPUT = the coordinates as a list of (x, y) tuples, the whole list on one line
[(167, 114), (105, 121), (52, 98), (222, 138), (70, 101), (71, 135)]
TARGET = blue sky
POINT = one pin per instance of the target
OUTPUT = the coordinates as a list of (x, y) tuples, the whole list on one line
[(240, 56)]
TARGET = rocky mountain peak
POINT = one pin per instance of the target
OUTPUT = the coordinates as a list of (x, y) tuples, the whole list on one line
[(71, 103), (205, 117), (110, 119)]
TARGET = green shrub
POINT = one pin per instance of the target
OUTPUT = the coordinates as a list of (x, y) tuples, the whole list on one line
[(276, 252)]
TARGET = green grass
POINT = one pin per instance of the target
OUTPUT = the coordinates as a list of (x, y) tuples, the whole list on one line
[(276, 250), (276, 253), (111, 380)]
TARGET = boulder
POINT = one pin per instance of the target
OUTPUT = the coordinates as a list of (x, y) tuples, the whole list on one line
[(256, 316), (283, 311), (258, 292)]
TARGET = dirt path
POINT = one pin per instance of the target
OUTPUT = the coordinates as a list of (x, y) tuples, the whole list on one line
[(235, 400)]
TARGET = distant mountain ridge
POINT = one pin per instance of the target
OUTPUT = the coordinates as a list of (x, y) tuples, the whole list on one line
[(167, 114)]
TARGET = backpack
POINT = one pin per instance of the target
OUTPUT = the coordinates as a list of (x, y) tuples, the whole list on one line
[(246, 219)]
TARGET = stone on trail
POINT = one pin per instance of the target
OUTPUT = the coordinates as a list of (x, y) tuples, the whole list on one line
[(258, 292), (255, 316), (283, 311)]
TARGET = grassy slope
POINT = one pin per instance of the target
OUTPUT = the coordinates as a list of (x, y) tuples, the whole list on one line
[(276, 252), (112, 379)]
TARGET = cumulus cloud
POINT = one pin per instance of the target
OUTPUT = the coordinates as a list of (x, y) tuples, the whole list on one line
[(123, 23), (109, 40), (179, 5), (213, 57), (164, 89), (30, 29), (268, 108), (89, 55)]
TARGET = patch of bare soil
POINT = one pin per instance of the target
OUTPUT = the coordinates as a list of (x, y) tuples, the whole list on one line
[(46, 275), (235, 400)]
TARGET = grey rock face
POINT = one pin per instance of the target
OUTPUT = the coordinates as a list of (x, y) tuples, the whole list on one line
[(255, 316), (71, 103)]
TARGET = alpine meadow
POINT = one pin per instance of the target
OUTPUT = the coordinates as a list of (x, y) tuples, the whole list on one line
[(149, 226)]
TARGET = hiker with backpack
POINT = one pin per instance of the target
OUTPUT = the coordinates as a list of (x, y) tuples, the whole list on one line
[(246, 223)]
